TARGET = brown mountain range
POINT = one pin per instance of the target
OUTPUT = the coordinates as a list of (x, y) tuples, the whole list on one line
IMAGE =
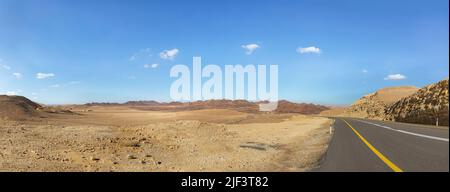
[(284, 106), (19, 108)]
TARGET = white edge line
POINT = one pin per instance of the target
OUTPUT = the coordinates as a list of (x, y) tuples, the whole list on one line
[(406, 132)]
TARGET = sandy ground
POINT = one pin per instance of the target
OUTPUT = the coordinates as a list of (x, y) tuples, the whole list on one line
[(115, 139)]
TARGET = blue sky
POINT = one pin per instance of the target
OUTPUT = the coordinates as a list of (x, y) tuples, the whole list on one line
[(104, 50)]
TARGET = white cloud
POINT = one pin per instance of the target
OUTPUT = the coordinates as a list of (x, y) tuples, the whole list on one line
[(17, 75), (16, 92), (74, 82), (365, 71), (44, 75), (154, 65), (250, 48), (141, 52), (11, 93), (303, 50), (5, 66), (395, 77), (54, 86), (169, 54)]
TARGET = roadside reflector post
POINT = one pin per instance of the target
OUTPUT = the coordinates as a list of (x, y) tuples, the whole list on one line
[(331, 126), (436, 113)]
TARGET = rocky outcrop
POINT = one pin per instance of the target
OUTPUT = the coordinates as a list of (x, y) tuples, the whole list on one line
[(425, 106), (17, 108), (373, 105)]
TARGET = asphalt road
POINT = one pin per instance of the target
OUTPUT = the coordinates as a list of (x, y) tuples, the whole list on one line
[(361, 145)]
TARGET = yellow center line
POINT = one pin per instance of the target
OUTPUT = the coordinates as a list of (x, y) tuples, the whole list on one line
[(374, 150)]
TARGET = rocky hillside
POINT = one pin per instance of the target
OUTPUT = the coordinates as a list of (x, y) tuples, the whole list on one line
[(17, 108), (373, 105), (423, 107)]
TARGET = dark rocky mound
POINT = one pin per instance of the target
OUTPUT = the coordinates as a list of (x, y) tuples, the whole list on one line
[(18, 108)]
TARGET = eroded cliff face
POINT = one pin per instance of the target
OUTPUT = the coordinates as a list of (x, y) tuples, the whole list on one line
[(425, 106)]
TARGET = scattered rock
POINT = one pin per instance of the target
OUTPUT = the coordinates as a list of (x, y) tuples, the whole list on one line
[(131, 156)]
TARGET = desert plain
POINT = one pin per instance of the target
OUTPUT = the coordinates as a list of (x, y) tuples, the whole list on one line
[(121, 138)]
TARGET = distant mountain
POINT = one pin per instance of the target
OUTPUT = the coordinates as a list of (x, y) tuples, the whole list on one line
[(373, 105), (303, 108), (101, 104), (239, 105), (425, 106), (333, 111), (141, 103)]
